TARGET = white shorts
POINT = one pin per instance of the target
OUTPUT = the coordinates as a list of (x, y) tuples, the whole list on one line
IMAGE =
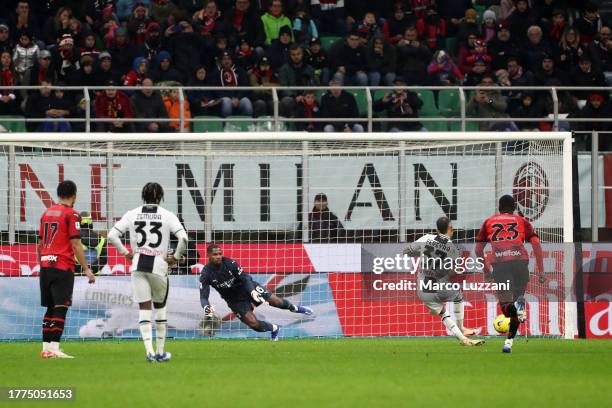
[(148, 286), (435, 301)]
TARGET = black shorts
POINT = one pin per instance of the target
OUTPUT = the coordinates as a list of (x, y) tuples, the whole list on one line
[(56, 287), (243, 302), (517, 273)]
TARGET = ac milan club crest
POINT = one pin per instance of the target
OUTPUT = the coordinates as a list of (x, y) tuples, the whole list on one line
[(531, 190)]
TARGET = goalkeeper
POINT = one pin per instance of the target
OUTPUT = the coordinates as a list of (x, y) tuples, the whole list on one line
[(240, 291), (94, 245)]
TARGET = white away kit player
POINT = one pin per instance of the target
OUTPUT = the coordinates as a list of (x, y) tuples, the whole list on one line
[(434, 251), (150, 227)]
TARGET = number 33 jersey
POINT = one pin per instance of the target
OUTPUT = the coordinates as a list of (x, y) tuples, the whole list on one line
[(150, 228), (507, 234)]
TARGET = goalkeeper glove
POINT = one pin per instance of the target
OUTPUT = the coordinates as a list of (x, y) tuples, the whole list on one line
[(209, 311), (258, 297)]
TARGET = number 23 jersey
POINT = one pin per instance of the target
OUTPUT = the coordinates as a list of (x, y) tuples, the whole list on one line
[(150, 228), (507, 233)]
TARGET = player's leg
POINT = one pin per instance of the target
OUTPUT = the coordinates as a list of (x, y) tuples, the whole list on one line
[(62, 285), (520, 281), (282, 303), (459, 312), (249, 318), (436, 307), (160, 287), (46, 300), (142, 295), (503, 273)]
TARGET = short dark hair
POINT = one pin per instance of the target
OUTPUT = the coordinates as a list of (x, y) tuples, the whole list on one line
[(152, 193), (66, 189), (211, 248), (442, 224), (296, 46), (507, 204)]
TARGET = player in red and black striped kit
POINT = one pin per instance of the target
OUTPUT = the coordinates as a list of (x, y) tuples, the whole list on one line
[(507, 233), (59, 241)]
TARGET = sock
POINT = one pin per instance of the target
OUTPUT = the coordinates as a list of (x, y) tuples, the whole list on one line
[(46, 333), (54, 346), (146, 330), (458, 310), (161, 327), (264, 327), (55, 325), (46, 345), (287, 305), (508, 342), (514, 325), (451, 325), (509, 310)]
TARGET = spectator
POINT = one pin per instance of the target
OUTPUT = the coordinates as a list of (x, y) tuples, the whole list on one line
[(465, 50), (520, 20), (185, 47), (37, 106), (601, 50), (137, 24), (307, 107), (432, 29), (535, 47), (279, 51), (43, 70), (586, 75), (24, 58), (488, 27), (501, 47), (9, 101), (65, 57), (453, 11), (402, 104), (228, 75), (323, 224), (597, 106), (88, 46), (349, 61), (316, 57), (381, 61), (570, 49), (329, 16), (549, 71), (105, 71), (152, 42), (5, 39), (296, 73), (528, 107), (304, 28), (557, 26), (243, 21), (85, 75), (468, 26), (164, 71), (148, 103), (367, 28), (480, 68), (246, 57), (518, 77), (274, 20), (208, 22), (113, 104), (23, 20), (394, 27), (140, 70), (173, 107), (126, 7), (413, 59), (122, 52), (443, 70), (489, 104), (60, 107), (478, 53), (263, 75), (202, 102), (57, 26), (590, 23), (337, 103)]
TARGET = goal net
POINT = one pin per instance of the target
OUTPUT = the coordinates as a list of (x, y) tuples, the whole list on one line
[(306, 217)]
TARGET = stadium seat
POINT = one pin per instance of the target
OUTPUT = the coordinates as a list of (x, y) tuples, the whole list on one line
[(449, 103), (232, 125), (200, 127), (435, 125), (362, 101), (480, 10), (429, 105), (13, 126), (469, 126), (328, 42)]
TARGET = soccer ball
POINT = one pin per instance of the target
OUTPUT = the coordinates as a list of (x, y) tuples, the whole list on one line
[(501, 324)]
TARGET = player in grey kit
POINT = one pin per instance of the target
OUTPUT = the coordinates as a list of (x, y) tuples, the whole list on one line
[(240, 292)]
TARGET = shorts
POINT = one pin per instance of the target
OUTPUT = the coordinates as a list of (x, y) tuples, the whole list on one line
[(243, 302), (517, 273), (148, 287), (56, 287), (435, 301)]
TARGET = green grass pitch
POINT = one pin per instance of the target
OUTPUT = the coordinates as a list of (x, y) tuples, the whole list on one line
[(321, 373)]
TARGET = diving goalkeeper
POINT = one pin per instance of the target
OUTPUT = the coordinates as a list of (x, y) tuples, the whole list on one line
[(240, 291)]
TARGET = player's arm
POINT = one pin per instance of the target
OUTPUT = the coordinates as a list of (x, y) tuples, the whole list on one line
[(537, 249), (209, 310), (115, 234), (248, 283)]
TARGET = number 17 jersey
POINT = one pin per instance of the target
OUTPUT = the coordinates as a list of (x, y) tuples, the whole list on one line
[(150, 227), (507, 234)]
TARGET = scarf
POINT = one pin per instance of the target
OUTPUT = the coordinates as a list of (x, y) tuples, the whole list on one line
[(7, 80), (229, 77), (237, 19)]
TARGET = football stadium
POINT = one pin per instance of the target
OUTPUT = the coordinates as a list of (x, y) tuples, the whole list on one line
[(305, 203)]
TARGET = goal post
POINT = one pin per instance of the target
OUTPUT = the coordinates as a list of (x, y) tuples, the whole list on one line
[(259, 195)]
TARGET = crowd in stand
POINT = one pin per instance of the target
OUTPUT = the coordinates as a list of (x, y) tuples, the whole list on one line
[(229, 43)]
